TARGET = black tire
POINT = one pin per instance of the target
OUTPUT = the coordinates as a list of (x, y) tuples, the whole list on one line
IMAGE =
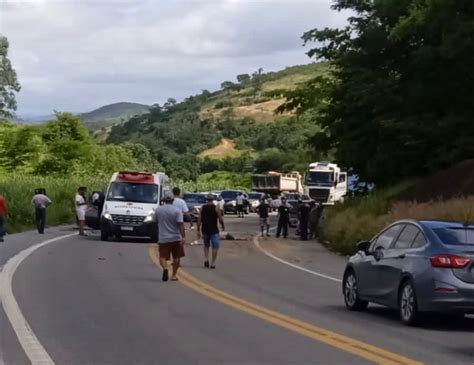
[(351, 293), (407, 304), (154, 236), (104, 235)]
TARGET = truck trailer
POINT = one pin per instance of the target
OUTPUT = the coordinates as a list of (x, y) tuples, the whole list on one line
[(274, 183)]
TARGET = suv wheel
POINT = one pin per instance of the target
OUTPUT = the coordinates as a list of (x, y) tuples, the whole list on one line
[(351, 293), (407, 304), (104, 235)]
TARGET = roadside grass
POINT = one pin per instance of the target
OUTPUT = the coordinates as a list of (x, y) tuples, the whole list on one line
[(19, 189), (360, 219)]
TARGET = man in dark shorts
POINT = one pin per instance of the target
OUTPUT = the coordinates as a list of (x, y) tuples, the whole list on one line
[(263, 210), (283, 218), (209, 215), (239, 202), (171, 235)]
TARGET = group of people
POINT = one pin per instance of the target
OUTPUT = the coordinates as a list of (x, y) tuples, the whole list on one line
[(308, 218), (172, 233)]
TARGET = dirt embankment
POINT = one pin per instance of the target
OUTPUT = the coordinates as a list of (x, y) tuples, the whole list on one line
[(454, 182)]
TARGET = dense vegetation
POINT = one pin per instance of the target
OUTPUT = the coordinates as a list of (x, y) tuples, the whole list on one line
[(8, 81), (176, 133), (63, 148), (398, 102)]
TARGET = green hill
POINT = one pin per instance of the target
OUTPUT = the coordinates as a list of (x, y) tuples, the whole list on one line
[(234, 128), (113, 114)]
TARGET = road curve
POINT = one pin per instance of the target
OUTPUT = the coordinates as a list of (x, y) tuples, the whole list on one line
[(93, 302)]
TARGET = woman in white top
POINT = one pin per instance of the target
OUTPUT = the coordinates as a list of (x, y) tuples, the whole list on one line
[(81, 207)]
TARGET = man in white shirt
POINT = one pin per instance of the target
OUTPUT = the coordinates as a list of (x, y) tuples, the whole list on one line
[(40, 202), (181, 205), (80, 202), (239, 201)]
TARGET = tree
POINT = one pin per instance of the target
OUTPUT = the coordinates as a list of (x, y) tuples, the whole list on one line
[(398, 100), (228, 85), (243, 78), (8, 81)]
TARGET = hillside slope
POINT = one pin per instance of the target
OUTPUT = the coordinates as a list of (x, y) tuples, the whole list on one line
[(234, 129), (112, 114)]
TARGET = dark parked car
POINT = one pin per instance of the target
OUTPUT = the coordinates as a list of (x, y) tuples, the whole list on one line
[(414, 266), (194, 201)]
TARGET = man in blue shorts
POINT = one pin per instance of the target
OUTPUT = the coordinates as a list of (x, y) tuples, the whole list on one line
[(209, 216)]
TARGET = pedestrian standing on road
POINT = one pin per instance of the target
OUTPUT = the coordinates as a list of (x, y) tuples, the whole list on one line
[(98, 200), (209, 216), (283, 218), (303, 215), (40, 201), (239, 202), (182, 206), (263, 213), (171, 235), (80, 202), (314, 218), (3, 214)]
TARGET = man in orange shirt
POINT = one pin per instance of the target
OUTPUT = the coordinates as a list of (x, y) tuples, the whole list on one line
[(3, 213)]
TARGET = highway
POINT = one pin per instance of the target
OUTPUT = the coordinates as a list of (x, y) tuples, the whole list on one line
[(78, 300)]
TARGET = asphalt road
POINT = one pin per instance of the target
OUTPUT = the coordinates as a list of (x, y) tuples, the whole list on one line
[(93, 302)]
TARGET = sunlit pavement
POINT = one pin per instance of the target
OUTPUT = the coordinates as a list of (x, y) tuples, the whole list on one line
[(97, 302)]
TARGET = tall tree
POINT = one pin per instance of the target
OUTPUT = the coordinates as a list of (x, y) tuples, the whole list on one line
[(8, 81), (399, 99)]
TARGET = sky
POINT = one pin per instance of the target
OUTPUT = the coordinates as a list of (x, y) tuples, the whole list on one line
[(77, 55)]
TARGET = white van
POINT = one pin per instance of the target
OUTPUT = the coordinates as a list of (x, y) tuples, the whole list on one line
[(130, 203)]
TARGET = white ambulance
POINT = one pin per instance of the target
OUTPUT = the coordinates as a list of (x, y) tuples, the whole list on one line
[(130, 203)]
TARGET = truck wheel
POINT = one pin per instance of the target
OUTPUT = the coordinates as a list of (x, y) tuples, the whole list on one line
[(104, 235)]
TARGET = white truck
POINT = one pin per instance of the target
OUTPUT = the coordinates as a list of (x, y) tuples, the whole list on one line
[(130, 203), (326, 183), (274, 183)]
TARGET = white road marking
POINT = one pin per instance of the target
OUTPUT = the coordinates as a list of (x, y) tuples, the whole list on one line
[(28, 340), (257, 244)]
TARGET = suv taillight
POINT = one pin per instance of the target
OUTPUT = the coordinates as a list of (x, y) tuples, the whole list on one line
[(450, 261)]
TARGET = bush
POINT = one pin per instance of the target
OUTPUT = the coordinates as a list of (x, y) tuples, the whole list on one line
[(360, 219), (19, 189)]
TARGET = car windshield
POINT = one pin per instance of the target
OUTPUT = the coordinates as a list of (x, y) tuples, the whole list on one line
[(133, 192), (194, 198), (455, 235), (320, 177), (255, 195), (229, 194)]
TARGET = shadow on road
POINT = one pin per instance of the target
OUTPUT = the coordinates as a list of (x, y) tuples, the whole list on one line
[(429, 321)]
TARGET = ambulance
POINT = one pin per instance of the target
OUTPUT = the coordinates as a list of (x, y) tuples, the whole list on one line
[(130, 203)]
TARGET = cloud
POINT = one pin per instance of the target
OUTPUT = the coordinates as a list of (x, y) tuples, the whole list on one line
[(77, 55)]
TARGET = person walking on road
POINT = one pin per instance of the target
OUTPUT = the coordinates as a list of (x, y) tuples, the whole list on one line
[(181, 205), (263, 211), (283, 218), (80, 201), (3, 214), (303, 215), (239, 202), (171, 235), (40, 201), (209, 216)]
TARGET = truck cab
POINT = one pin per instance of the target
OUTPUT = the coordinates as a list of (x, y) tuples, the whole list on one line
[(326, 183), (130, 203)]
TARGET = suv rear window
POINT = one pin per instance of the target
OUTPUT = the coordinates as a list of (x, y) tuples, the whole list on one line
[(455, 235)]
